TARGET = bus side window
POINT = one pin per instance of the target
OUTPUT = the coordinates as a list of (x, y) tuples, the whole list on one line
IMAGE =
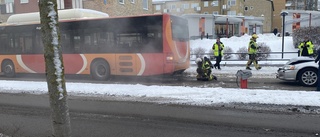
[(28, 44), (39, 48), (77, 44), (12, 45), (110, 41), (65, 42), (19, 47), (4, 48), (22, 45)]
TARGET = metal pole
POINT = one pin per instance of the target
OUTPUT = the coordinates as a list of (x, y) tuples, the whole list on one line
[(213, 27), (310, 20), (227, 28), (283, 21)]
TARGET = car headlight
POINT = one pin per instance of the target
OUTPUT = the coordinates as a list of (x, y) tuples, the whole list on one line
[(289, 67)]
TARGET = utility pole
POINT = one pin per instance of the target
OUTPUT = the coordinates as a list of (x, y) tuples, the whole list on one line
[(283, 14)]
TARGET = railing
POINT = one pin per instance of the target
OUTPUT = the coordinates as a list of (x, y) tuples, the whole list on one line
[(287, 56)]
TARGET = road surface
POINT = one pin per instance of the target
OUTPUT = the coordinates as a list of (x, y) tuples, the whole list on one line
[(25, 115)]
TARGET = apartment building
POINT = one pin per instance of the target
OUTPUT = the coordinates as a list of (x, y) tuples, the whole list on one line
[(302, 5), (279, 5), (111, 7), (255, 8), (177, 7), (120, 7)]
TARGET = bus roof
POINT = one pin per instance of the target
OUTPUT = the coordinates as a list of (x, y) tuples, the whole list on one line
[(34, 17)]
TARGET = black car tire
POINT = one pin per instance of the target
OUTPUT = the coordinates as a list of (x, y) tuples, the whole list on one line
[(308, 77)]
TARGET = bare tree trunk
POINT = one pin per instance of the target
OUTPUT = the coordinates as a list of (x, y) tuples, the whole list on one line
[(54, 68)]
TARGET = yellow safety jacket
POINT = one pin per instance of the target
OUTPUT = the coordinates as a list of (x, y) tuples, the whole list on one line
[(206, 65), (309, 46), (253, 46), (216, 49)]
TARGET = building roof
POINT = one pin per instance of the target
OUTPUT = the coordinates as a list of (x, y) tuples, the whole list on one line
[(225, 19)]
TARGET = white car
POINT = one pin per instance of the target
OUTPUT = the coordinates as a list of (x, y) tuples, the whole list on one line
[(301, 69)]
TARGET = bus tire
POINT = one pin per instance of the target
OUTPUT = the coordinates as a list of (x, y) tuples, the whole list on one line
[(100, 70), (8, 69)]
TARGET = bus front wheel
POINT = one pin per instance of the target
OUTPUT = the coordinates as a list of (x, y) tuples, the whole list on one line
[(100, 70), (8, 69)]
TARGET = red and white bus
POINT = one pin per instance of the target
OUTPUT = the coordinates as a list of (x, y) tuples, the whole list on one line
[(143, 45)]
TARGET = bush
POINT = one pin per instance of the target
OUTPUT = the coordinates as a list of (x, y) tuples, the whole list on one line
[(199, 52), (211, 54), (227, 53), (242, 53), (299, 34), (264, 51)]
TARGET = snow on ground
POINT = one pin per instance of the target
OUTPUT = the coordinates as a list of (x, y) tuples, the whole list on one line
[(184, 94), (235, 43)]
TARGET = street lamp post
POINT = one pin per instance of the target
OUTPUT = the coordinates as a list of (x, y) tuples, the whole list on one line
[(213, 22), (283, 14), (213, 27)]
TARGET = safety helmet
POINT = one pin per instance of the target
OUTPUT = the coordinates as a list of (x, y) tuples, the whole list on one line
[(255, 36), (205, 57), (198, 60)]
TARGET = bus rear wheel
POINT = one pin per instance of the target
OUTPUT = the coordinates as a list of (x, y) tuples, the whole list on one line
[(100, 70), (8, 69)]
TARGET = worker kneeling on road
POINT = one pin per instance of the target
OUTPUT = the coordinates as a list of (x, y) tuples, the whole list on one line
[(204, 67)]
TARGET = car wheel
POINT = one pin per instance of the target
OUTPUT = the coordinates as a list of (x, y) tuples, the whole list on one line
[(100, 70), (308, 77)]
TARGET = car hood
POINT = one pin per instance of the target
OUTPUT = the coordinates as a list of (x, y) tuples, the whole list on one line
[(299, 60)]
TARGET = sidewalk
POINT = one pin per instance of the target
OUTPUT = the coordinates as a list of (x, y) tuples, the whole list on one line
[(230, 70)]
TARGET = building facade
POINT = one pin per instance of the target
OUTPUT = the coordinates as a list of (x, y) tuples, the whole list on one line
[(302, 5), (111, 7), (120, 7), (256, 8)]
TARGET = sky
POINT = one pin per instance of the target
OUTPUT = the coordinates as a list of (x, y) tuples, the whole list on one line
[(200, 96)]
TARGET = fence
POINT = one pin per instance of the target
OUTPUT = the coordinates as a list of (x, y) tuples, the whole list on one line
[(272, 56)]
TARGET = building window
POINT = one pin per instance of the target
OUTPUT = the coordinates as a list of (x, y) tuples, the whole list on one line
[(145, 4), (232, 2), (215, 3), (132, 1), (206, 4), (6, 8), (8, 1), (121, 1), (193, 5), (185, 6), (24, 1), (205, 13), (251, 8), (172, 7), (158, 7), (232, 12), (245, 8), (60, 4), (77, 4), (215, 13)]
